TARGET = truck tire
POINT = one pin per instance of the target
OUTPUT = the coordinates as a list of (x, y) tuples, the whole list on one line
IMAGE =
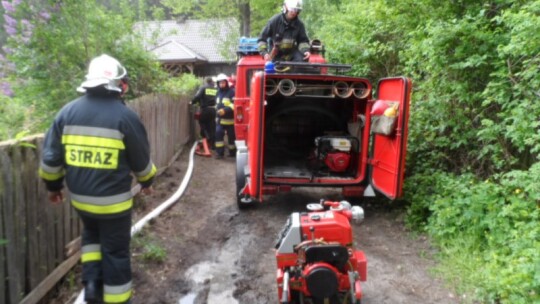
[(242, 201)]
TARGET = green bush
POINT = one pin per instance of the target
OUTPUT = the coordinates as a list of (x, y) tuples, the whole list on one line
[(12, 113), (49, 55), (488, 231), (184, 85)]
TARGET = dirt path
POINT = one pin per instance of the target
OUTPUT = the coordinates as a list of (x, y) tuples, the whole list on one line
[(217, 254)]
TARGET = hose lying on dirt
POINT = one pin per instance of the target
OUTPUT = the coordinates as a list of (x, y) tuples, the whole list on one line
[(166, 204), (159, 209)]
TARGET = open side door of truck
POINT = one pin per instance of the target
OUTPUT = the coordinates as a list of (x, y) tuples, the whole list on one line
[(389, 151), (256, 136)]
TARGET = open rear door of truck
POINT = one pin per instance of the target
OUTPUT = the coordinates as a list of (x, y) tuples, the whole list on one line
[(389, 150), (256, 135)]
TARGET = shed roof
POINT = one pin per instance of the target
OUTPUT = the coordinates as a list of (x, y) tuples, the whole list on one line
[(210, 40)]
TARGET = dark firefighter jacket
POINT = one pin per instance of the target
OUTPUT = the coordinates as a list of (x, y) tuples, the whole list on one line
[(289, 35), (225, 101), (206, 96), (95, 142)]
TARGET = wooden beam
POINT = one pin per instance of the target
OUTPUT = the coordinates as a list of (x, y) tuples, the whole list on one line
[(72, 247), (51, 280)]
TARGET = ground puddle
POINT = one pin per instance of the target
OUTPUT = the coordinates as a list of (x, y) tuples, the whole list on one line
[(218, 277)]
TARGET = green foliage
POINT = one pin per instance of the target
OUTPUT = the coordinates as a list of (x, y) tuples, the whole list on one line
[(372, 35), (474, 117), (149, 249), (184, 85), (53, 62), (154, 252), (19, 138), (71, 280), (492, 226), (457, 60), (473, 163), (250, 14), (12, 113), (515, 87)]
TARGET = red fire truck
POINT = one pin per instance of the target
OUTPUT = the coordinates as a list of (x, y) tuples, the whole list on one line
[(307, 124)]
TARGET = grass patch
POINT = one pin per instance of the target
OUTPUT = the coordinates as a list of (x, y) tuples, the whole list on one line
[(148, 248)]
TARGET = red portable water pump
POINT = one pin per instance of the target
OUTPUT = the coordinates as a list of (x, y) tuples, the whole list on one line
[(316, 258)]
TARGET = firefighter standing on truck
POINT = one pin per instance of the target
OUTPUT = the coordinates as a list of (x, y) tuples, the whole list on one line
[(206, 98), (95, 143), (287, 33), (225, 117)]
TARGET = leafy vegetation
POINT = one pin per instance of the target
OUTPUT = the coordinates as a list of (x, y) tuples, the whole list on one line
[(148, 248), (473, 158), (473, 162), (183, 85), (488, 230), (48, 50), (250, 14)]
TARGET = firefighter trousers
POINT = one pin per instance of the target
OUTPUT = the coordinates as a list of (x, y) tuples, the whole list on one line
[(295, 55), (207, 122), (105, 256), (220, 139)]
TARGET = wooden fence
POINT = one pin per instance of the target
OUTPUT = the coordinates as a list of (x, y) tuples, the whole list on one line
[(36, 238)]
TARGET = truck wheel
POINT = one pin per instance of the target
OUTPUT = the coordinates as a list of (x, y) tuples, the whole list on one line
[(242, 201), (296, 297)]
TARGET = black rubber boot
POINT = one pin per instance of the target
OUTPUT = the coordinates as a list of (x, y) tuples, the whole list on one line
[(93, 292)]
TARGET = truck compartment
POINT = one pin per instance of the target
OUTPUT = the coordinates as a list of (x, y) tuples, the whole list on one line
[(316, 135)]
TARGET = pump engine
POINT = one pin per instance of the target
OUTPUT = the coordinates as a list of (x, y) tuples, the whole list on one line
[(316, 260), (335, 152)]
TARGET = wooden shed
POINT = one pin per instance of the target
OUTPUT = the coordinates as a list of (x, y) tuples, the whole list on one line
[(201, 47)]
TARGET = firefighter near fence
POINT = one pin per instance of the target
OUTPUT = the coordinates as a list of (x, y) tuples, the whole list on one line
[(95, 143), (205, 99), (225, 117)]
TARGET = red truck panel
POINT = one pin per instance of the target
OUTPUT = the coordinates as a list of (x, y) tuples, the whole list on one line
[(389, 152)]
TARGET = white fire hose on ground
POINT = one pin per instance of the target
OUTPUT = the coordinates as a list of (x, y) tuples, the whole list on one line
[(157, 211)]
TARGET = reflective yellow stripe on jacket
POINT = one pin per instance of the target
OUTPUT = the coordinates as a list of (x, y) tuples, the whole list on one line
[(147, 173), (51, 173), (226, 122), (228, 103), (102, 204)]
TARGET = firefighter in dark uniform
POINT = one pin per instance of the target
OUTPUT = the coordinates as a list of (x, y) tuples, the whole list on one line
[(287, 33), (225, 117), (206, 98), (95, 143)]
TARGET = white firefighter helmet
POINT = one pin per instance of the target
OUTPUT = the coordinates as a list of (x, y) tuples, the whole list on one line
[(294, 5), (221, 77), (104, 71)]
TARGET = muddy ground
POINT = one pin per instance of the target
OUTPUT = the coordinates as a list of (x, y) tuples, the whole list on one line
[(216, 254)]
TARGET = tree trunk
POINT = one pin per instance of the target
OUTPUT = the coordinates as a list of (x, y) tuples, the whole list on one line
[(245, 19)]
